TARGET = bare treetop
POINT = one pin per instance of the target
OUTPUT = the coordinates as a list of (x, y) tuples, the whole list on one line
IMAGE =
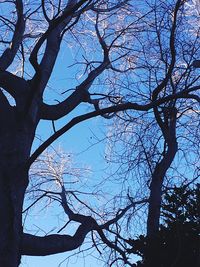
[(133, 62)]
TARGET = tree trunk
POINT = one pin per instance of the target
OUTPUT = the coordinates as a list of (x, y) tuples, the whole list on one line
[(154, 216), (155, 205), (152, 257), (15, 144), (11, 201), (168, 128)]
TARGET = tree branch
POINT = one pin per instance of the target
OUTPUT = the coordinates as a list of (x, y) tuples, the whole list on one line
[(79, 119), (54, 112), (52, 35), (100, 112), (52, 244), (8, 55), (164, 82)]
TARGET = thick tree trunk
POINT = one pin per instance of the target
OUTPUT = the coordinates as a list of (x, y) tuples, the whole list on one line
[(11, 200), (15, 144)]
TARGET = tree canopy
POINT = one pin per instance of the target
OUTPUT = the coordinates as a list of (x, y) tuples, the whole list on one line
[(136, 65)]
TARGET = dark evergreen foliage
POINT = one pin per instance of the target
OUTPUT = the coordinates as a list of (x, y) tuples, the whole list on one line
[(178, 241)]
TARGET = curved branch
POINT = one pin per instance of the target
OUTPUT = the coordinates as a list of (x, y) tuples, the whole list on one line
[(164, 82), (122, 212), (53, 37), (57, 25), (52, 244), (79, 119), (54, 112), (44, 11), (8, 55), (112, 109)]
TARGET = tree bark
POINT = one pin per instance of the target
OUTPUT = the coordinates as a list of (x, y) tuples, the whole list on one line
[(169, 131), (16, 136), (11, 201), (52, 244)]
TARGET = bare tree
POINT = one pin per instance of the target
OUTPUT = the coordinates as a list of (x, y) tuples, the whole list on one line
[(139, 42), (156, 150)]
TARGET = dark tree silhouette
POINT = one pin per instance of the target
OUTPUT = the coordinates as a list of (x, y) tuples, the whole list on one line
[(152, 44), (177, 242)]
